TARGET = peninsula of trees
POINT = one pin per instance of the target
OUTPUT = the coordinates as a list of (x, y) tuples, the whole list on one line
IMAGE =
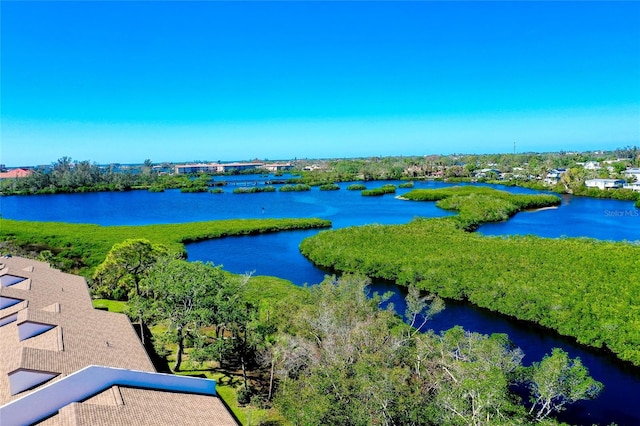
[(583, 288)]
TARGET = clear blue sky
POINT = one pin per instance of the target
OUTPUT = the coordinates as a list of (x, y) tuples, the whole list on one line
[(180, 81)]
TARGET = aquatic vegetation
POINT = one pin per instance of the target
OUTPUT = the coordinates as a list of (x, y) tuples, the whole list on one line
[(298, 187), (584, 288), (478, 204), (254, 189), (384, 189), (81, 247), (356, 187), (329, 187)]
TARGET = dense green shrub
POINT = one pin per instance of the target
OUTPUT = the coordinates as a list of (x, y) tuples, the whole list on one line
[(356, 187), (384, 189), (254, 189), (329, 187), (478, 204), (298, 187), (193, 189), (73, 251), (584, 288), (406, 185)]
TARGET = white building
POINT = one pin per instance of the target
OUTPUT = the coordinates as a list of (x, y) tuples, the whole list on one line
[(554, 176), (632, 172), (604, 183), (592, 165)]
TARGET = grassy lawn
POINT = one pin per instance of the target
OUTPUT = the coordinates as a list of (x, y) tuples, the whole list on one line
[(110, 305)]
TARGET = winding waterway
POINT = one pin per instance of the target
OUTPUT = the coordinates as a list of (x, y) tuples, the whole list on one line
[(277, 255)]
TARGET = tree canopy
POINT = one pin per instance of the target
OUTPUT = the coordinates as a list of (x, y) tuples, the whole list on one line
[(126, 264)]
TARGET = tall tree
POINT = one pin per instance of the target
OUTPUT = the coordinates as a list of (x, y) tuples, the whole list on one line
[(124, 267), (557, 381), (185, 296)]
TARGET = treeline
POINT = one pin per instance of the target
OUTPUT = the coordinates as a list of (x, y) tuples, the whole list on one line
[(68, 176), (583, 288), (461, 165)]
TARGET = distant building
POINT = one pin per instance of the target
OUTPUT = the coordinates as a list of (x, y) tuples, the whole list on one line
[(592, 165), (634, 173), (228, 167), (64, 363), (483, 173), (553, 176), (635, 186), (15, 173), (604, 183), (278, 167), (195, 168)]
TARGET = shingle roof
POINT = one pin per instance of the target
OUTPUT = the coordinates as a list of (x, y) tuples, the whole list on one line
[(81, 335), (140, 407), (69, 335)]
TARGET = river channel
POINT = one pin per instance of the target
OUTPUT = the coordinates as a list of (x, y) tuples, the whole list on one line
[(277, 255)]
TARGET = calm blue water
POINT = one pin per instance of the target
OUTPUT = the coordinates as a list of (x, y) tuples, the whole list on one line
[(278, 255)]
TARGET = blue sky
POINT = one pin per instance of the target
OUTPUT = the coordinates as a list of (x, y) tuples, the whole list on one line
[(181, 81)]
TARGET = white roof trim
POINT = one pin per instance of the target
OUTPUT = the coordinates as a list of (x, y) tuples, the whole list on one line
[(82, 384)]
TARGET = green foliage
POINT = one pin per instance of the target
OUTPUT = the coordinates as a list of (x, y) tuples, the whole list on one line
[(298, 187), (477, 204), (74, 251), (66, 175), (329, 187), (254, 189), (340, 359), (406, 185), (193, 189), (216, 191), (126, 264), (356, 187), (384, 189), (557, 381), (617, 194), (584, 288), (185, 296)]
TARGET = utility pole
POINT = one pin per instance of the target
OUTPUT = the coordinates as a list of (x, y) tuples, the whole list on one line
[(514, 147)]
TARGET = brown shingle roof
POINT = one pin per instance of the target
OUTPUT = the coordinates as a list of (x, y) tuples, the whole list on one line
[(140, 407), (82, 336)]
